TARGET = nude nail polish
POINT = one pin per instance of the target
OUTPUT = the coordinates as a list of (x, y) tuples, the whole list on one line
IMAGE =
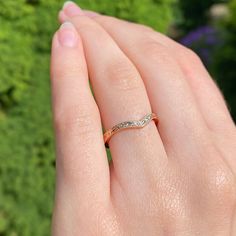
[(67, 35), (72, 9)]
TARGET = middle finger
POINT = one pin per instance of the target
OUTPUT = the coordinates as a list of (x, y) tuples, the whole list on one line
[(182, 127)]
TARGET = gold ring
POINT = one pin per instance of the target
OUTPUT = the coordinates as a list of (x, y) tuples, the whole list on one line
[(129, 125)]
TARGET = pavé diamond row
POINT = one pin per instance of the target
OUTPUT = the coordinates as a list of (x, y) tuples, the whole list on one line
[(129, 125)]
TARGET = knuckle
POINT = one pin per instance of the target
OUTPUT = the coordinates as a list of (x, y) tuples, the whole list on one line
[(190, 62), (107, 223), (69, 70), (192, 56), (175, 207), (221, 185), (122, 75), (174, 201), (156, 52), (76, 120), (170, 193)]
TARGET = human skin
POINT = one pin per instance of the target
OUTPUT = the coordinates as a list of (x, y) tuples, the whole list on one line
[(177, 178)]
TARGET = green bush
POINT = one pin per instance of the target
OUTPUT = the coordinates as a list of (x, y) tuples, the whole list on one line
[(225, 60), (26, 139), (195, 12), (219, 56)]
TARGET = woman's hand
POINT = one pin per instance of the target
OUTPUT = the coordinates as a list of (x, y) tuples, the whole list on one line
[(177, 179)]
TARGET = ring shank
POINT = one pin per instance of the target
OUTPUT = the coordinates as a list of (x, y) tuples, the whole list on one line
[(129, 125)]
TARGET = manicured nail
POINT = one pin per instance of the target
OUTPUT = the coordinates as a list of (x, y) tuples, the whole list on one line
[(67, 35), (66, 3), (71, 9)]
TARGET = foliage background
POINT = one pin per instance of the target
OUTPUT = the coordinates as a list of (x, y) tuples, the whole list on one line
[(26, 137), (221, 51), (225, 60)]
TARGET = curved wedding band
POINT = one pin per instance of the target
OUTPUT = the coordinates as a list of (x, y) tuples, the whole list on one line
[(129, 125)]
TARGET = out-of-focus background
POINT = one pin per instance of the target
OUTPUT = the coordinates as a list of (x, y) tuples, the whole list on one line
[(27, 158)]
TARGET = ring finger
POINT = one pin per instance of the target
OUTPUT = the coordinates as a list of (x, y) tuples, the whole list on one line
[(121, 96), (182, 127)]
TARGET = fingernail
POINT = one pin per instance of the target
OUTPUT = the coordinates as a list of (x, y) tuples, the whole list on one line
[(67, 35), (62, 16), (66, 3), (71, 9)]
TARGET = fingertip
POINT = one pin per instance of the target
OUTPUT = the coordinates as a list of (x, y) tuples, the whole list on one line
[(66, 3), (62, 16), (72, 9), (67, 35)]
